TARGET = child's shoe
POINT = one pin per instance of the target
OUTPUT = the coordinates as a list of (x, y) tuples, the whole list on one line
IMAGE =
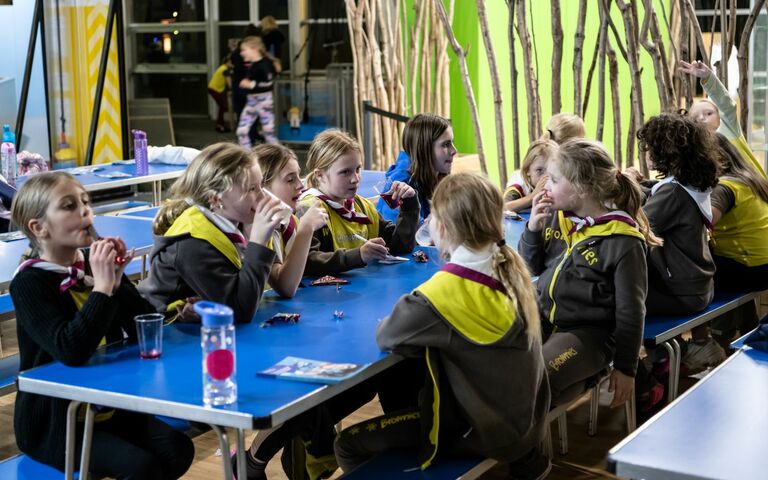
[(701, 355), (254, 469)]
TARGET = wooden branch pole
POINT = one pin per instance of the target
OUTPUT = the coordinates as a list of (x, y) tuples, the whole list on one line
[(613, 66), (557, 55), (461, 57), (638, 117), (602, 42), (696, 29), (654, 51), (685, 52), (743, 58), (501, 156), (531, 82), (578, 54), (513, 86)]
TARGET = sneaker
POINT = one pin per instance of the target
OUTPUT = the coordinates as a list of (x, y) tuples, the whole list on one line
[(255, 471), (701, 355)]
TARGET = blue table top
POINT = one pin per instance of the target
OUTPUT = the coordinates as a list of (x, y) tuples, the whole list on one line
[(145, 213), (714, 430), (172, 385), (135, 232), (96, 180)]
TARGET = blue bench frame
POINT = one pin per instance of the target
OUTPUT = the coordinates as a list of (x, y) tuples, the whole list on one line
[(662, 330), (21, 467)]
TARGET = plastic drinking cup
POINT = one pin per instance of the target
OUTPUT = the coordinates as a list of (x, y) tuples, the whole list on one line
[(149, 328), (285, 210), (384, 189)]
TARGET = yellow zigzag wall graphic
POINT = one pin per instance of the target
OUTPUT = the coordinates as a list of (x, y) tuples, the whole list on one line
[(87, 40)]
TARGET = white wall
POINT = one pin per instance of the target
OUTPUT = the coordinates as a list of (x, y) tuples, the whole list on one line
[(15, 26)]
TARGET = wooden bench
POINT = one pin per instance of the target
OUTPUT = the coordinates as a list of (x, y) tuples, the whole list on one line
[(402, 464)]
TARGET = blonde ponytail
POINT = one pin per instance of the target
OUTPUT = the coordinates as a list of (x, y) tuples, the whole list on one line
[(513, 273)]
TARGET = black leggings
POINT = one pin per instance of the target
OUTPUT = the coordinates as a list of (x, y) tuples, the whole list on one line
[(732, 276), (137, 446)]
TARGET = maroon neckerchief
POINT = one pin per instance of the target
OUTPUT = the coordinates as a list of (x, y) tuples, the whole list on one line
[(347, 210)]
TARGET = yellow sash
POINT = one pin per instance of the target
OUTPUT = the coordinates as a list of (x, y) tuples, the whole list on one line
[(193, 222), (344, 232), (479, 312), (742, 232)]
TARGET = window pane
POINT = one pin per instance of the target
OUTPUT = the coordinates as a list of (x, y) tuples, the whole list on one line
[(169, 48), (187, 92), (150, 11), (328, 42), (233, 10), (327, 9), (276, 8)]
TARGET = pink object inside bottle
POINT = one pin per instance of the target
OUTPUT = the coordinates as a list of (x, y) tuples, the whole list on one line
[(220, 364)]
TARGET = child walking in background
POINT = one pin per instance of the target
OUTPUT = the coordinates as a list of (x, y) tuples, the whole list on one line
[(217, 89), (68, 301), (200, 249), (586, 240), (290, 242), (426, 159), (532, 176), (259, 83), (356, 233), (478, 311)]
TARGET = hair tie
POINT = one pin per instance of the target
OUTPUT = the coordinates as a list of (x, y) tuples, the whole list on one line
[(501, 243), (618, 174)]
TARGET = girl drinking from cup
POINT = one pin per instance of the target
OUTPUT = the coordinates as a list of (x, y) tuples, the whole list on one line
[(69, 301)]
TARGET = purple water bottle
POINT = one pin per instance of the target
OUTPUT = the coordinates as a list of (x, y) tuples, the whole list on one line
[(140, 152)]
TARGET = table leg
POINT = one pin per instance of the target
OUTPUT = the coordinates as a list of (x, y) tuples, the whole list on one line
[(143, 267), (85, 454), (241, 467), (678, 358), (69, 452), (224, 447), (671, 354)]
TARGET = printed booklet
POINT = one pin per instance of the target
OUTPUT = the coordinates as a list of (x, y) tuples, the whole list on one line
[(305, 370)]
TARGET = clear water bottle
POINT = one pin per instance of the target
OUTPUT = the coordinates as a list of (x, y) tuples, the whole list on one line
[(218, 343), (140, 152), (8, 163)]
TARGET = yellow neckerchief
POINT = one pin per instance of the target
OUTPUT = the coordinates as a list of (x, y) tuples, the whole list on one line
[(613, 227), (79, 296), (741, 234), (473, 303), (346, 234), (194, 222)]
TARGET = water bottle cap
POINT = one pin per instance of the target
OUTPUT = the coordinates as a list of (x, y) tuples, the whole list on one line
[(214, 314), (8, 135), (141, 134)]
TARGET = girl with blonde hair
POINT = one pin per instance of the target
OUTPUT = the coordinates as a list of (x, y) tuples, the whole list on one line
[(479, 310), (586, 239), (532, 176), (212, 235), (258, 82), (70, 297), (563, 127), (356, 234)]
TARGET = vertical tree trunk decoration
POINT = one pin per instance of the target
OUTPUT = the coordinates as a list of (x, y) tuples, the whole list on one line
[(557, 55), (696, 30), (355, 36), (613, 66), (743, 58), (461, 57), (630, 29), (666, 72), (513, 86), (602, 42), (595, 56), (673, 29), (501, 156), (731, 27), (381, 96), (654, 49), (531, 83), (418, 24), (722, 71), (631, 142), (578, 53), (685, 52)]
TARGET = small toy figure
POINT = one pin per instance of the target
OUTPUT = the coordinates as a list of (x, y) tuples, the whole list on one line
[(294, 117), (338, 314)]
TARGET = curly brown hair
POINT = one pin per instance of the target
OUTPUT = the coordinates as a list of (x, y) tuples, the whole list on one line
[(681, 147)]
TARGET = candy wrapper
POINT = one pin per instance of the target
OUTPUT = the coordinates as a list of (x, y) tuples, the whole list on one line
[(420, 256), (329, 280), (31, 163), (289, 318), (512, 215)]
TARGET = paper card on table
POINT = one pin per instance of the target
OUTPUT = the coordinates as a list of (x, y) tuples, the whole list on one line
[(316, 371), (391, 259)]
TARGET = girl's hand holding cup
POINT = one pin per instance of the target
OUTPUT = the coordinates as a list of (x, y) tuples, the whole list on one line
[(540, 211)]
